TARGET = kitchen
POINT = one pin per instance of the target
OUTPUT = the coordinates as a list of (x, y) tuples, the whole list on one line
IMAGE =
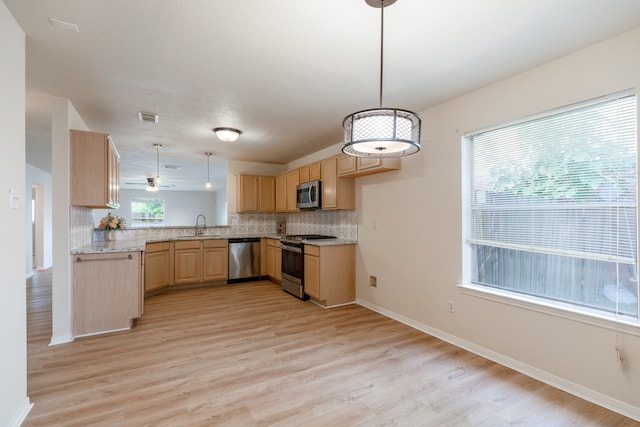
[(310, 220)]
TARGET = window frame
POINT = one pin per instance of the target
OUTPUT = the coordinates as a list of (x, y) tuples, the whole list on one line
[(148, 200), (557, 308)]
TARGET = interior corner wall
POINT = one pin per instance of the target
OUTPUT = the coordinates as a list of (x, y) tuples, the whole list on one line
[(14, 402), (63, 117), (410, 235)]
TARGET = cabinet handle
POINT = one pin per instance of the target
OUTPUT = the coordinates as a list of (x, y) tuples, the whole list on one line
[(79, 259)]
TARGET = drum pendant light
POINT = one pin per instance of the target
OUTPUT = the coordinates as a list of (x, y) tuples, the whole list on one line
[(381, 132)]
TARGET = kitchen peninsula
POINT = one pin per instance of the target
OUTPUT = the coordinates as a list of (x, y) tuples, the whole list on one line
[(111, 279)]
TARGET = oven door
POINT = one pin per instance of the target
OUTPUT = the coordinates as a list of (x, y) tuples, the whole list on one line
[(293, 270)]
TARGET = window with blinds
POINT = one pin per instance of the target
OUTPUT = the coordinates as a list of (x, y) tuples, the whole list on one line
[(551, 206)]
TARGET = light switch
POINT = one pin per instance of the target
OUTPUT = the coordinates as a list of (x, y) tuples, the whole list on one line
[(14, 199)]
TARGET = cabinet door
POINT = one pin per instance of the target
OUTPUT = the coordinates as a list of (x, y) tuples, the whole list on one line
[(314, 172), (312, 276), (293, 179), (304, 174), (215, 266), (114, 176), (346, 165), (187, 262), (106, 292), (94, 170), (271, 260), (278, 263), (329, 184), (267, 194), (248, 193), (156, 270), (281, 193)]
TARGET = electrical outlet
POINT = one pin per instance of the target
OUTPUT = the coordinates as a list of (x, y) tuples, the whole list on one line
[(452, 307), (373, 281)]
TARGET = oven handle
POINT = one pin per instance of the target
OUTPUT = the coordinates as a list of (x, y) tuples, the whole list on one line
[(291, 249)]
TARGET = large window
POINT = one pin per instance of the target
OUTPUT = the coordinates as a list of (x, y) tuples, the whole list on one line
[(551, 204), (147, 212)]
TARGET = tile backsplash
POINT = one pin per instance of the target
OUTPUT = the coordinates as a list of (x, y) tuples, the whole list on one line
[(340, 223)]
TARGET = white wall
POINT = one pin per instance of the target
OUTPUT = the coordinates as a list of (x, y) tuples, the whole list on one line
[(416, 248), (14, 403), (63, 117), (43, 179), (181, 207)]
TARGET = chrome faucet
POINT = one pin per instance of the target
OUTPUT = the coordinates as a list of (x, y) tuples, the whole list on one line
[(204, 224)]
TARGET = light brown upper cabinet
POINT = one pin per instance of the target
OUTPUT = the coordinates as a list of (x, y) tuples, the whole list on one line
[(337, 193), (351, 167), (314, 172), (293, 179), (256, 193), (281, 193), (95, 170)]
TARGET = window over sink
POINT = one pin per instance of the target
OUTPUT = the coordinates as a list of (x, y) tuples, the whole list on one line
[(147, 212)]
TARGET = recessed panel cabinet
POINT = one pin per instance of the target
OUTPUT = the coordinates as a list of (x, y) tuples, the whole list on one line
[(108, 291), (337, 193), (215, 256), (273, 259), (351, 167), (329, 274), (187, 262), (256, 193), (197, 261), (157, 274), (95, 170)]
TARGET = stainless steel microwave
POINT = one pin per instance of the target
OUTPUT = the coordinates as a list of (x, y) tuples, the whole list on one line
[(308, 195)]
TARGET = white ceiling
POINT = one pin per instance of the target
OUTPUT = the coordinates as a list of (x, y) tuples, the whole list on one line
[(285, 72)]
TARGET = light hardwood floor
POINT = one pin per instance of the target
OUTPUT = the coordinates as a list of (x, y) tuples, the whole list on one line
[(250, 355)]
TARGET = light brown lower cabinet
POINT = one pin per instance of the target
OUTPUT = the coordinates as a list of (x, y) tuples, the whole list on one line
[(198, 261), (329, 274), (157, 274), (274, 259), (108, 292), (215, 254), (187, 262)]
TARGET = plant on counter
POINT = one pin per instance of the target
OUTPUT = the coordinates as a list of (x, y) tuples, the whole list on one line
[(111, 222)]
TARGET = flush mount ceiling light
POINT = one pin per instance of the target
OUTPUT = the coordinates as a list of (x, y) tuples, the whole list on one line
[(208, 184), (158, 146), (148, 117), (227, 134), (381, 132), (151, 185)]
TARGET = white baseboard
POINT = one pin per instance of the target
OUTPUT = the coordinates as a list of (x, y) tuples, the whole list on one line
[(533, 372), (62, 339), (30, 274), (22, 413)]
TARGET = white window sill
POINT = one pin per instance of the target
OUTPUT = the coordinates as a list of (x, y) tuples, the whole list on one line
[(588, 316)]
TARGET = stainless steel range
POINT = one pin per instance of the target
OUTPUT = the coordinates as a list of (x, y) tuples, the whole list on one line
[(292, 246)]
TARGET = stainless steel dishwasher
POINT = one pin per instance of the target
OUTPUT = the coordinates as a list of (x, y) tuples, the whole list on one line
[(244, 259)]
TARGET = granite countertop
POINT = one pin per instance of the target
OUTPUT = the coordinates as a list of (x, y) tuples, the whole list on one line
[(137, 245)]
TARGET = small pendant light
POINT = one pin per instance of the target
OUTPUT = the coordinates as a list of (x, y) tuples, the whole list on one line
[(158, 146), (381, 132), (208, 184)]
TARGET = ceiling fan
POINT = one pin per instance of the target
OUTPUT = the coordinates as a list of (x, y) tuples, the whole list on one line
[(152, 185)]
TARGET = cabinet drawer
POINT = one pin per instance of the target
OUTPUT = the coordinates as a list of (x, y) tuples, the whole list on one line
[(157, 247), (312, 250), (187, 244), (215, 243)]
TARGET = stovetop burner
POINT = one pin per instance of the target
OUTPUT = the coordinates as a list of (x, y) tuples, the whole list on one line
[(307, 237)]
